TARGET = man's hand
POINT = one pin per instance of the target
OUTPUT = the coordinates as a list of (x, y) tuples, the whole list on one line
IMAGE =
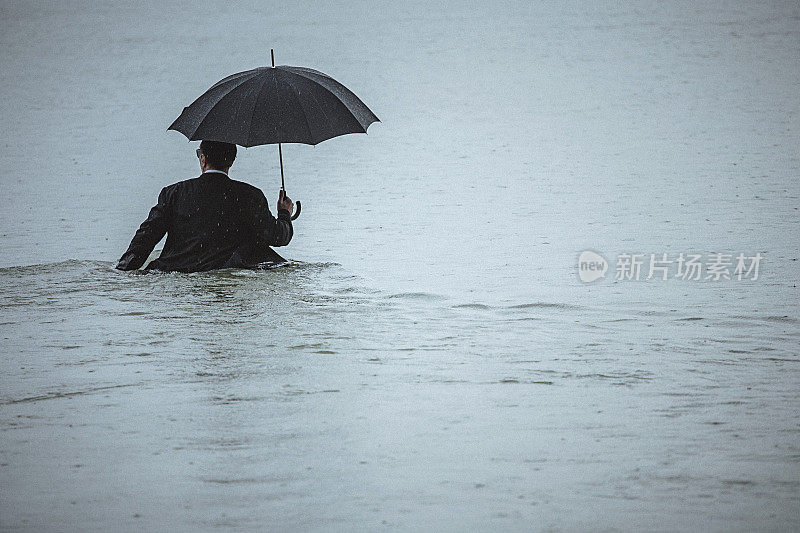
[(284, 202)]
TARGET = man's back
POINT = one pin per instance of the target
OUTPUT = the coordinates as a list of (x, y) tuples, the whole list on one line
[(211, 222)]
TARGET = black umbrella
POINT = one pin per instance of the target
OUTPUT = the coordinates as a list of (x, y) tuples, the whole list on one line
[(269, 105)]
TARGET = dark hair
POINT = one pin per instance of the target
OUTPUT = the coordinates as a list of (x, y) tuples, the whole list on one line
[(218, 154)]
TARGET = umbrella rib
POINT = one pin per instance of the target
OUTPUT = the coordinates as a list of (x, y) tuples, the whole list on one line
[(250, 117), (231, 77), (216, 104), (322, 108), (277, 107), (305, 115), (181, 122), (337, 89), (240, 102), (250, 126)]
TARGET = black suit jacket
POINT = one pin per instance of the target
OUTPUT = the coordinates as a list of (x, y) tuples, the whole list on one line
[(211, 222)]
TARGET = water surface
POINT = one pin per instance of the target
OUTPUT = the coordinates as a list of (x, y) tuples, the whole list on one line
[(429, 360)]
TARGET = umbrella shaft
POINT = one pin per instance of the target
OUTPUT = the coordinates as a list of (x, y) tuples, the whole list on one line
[(280, 156), (280, 151)]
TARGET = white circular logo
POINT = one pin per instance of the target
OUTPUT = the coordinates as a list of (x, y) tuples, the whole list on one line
[(591, 266)]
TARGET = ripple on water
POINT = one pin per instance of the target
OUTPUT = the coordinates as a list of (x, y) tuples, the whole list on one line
[(66, 394), (416, 296), (545, 305), (474, 306), (517, 381)]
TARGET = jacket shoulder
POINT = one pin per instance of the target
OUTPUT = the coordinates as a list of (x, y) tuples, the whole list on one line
[(182, 183), (246, 188), (169, 189)]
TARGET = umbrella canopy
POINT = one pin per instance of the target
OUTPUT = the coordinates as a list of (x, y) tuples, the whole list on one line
[(268, 105)]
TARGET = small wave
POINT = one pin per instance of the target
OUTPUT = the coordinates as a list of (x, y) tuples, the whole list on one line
[(739, 482), (522, 381), (44, 266), (72, 264), (245, 480), (781, 318), (60, 266), (747, 319), (67, 394), (232, 399), (302, 392), (476, 306), (416, 296), (544, 305), (619, 378), (254, 271), (317, 345), (303, 265)]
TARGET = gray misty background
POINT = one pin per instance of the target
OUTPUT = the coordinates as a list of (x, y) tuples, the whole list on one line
[(431, 360)]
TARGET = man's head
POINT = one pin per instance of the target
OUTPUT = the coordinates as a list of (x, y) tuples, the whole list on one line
[(216, 155)]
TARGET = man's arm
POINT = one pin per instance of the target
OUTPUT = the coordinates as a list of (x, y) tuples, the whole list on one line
[(270, 230), (147, 236)]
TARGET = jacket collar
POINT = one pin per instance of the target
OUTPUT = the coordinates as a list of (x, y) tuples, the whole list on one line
[(215, 172)]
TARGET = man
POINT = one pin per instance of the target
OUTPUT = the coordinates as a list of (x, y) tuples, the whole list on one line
[(211, 221)]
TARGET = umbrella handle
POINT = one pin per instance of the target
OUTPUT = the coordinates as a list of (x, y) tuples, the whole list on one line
[(297, 213)]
